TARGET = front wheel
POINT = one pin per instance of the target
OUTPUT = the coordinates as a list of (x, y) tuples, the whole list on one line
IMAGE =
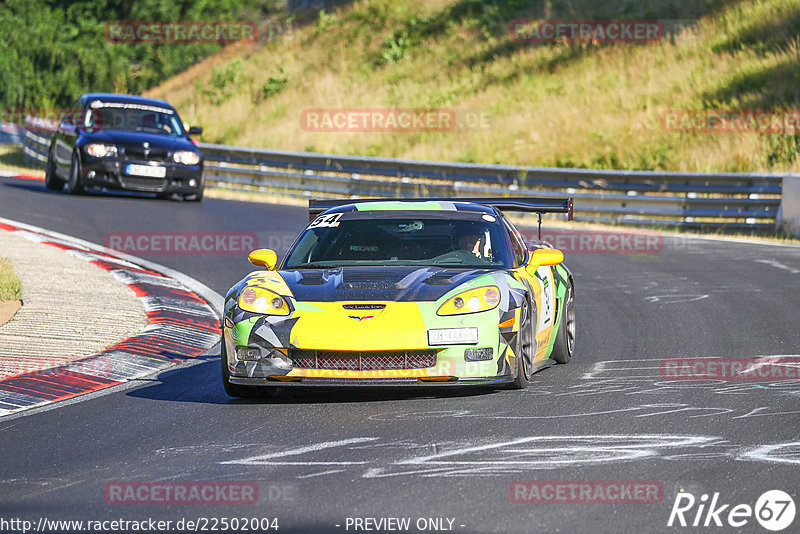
[(524, 348), (564, 345), (197, 197), (51, 180), (75, 183)]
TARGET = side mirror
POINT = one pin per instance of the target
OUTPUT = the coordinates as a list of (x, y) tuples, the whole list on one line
[(264, 257), (543, 257), (195, 130)]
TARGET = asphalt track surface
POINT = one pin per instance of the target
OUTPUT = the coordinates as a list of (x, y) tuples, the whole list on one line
[(322, 456)]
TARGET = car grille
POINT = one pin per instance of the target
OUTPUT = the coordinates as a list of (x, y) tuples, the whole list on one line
[(363, 361), (142, 183), (137, 153)]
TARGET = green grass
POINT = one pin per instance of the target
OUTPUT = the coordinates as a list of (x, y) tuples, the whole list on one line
[(13, 159), (10, 286)]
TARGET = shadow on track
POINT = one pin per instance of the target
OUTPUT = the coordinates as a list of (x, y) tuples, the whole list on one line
[(202, 383), (38, 187)]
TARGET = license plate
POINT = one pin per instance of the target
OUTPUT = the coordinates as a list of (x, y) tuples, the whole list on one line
[(150, 171)]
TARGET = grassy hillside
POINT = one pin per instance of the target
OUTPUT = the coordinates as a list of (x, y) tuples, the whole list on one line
[(581, 105)]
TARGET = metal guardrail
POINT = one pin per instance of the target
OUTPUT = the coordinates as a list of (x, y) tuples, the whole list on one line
[(742, 201), (35, 146)]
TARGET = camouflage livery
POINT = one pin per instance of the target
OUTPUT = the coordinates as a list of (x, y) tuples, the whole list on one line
[(399, 323)]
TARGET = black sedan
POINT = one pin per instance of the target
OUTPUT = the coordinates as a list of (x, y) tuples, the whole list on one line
[(125, 142)]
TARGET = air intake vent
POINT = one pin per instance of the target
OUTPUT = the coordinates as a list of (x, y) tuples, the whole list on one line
[(363, 361)]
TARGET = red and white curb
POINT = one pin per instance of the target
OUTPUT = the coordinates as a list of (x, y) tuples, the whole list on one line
[(14, 174), (183, 322)]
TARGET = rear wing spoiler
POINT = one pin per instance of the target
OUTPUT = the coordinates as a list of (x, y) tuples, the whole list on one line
[(522, 204)]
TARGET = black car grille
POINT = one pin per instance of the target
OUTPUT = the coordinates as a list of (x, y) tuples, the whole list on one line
[(363, 361), (137, 153), (141, 183)]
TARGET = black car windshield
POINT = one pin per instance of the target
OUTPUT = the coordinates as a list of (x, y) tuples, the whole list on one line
[(337, 241), (132, 117)]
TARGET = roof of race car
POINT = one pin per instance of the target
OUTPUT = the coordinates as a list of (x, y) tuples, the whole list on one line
[(414, 205)]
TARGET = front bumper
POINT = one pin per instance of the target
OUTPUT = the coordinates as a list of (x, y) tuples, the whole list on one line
[(279, 364), (110, 173), (377, 382)]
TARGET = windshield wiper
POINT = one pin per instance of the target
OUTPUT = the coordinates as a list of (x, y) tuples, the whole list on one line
[(314, 266)]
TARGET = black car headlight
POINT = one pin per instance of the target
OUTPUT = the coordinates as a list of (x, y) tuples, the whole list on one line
[(186, 157), (99, 150)]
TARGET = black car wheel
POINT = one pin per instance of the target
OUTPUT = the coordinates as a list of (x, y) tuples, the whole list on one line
[(197, 197), (75, 183), (524, 348), (51, 180), (565, 338)]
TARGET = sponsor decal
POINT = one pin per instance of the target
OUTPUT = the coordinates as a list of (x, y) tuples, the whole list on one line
[(544, 277)]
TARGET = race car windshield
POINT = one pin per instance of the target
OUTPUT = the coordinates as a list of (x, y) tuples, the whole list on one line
[(134, 119), (332, 242)]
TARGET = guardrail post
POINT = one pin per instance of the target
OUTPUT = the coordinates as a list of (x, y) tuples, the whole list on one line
[(789, 219)]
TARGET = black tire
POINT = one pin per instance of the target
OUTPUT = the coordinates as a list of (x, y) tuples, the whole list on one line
[(75, 183), (524, 350), (237, 390), (51, 180), (197, 197), (564, 346), (194, 197)]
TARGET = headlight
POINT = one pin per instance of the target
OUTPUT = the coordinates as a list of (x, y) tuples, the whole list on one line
[(186, 157), (96, 150), (474, 300), (259, 300)]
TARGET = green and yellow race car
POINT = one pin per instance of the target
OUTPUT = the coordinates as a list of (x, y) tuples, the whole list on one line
[(399, 292)]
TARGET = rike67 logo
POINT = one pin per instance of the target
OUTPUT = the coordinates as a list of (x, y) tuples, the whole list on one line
[(774, 510)]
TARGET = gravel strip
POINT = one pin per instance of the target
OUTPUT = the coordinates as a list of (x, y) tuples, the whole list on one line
[(71, 308)]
